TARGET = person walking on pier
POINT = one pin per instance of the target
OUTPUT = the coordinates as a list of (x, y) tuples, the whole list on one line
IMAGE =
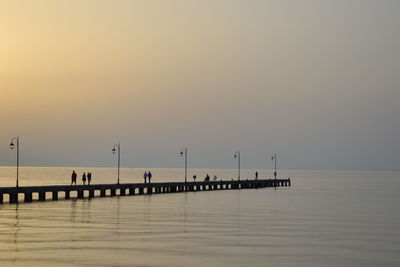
[(145, 177), (73, 178), (89, 177), (256, 175), (84, 178), (149, 175)]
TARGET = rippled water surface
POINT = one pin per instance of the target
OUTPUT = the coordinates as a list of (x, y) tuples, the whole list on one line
[(324, 219)]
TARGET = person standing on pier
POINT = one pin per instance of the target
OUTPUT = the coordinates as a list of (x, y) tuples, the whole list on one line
[(89, 177), (256, 175), (84, 178), (149, 175), (73, 178), (145, 177)]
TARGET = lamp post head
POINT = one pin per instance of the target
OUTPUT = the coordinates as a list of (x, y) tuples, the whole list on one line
[(12, 146), (181, 153), (113, 150)]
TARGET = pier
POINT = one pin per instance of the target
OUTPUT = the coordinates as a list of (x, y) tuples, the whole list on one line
[(55, 192)]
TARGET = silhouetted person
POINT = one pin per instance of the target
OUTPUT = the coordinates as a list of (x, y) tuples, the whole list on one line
[(89, 177), (256, 175), (149, 175), (207, 178), (215, 178), (84, 178), (145, 177), (73, 178)]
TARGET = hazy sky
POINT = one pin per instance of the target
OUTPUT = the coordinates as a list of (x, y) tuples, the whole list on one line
[(316, 81)]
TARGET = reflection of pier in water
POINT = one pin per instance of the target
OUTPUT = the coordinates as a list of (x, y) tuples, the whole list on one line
[(54, 192)]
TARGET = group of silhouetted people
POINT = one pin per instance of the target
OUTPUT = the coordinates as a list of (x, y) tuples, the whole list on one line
[(85, 177), (207, 178), (147, 175)]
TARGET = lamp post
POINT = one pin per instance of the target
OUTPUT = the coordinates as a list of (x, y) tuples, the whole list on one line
[(115, 148), (237, 156), (274, 158), (16, 139), (184, 153)]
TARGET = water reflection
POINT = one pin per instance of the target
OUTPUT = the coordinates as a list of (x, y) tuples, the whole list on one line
[(72, 217), (16, 233), (312, 224)]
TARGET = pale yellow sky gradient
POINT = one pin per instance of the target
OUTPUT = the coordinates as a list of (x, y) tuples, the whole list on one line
[(315, 80)]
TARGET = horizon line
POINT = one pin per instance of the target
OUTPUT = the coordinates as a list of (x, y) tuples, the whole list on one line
[(254, 169)]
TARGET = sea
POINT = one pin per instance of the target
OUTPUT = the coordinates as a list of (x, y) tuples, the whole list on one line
[(326, 218)]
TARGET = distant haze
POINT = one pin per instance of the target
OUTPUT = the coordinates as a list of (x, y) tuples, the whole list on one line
[(316, 81)]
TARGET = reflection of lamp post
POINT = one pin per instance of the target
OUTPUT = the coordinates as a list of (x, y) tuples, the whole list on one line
[(16, 139), (184, 153), (273, 158), (237, 156), (118, 146)]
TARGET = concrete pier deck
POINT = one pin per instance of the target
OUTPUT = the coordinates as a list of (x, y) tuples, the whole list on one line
[(56, 192)]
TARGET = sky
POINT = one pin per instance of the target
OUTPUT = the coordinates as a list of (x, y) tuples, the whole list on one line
[(316, 81)]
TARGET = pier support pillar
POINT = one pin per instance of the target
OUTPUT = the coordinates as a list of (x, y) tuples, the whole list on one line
[(91, 193), (149, 190), (112, 192), (1, 199), (131, 191), (67, 195), (122, 191), (80, 194), (42, 196), (13, 198), (55, 195), (28, 197), (102, 192), (141, 191)]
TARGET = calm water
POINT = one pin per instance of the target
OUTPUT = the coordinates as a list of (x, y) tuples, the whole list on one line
[(324, 219)]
